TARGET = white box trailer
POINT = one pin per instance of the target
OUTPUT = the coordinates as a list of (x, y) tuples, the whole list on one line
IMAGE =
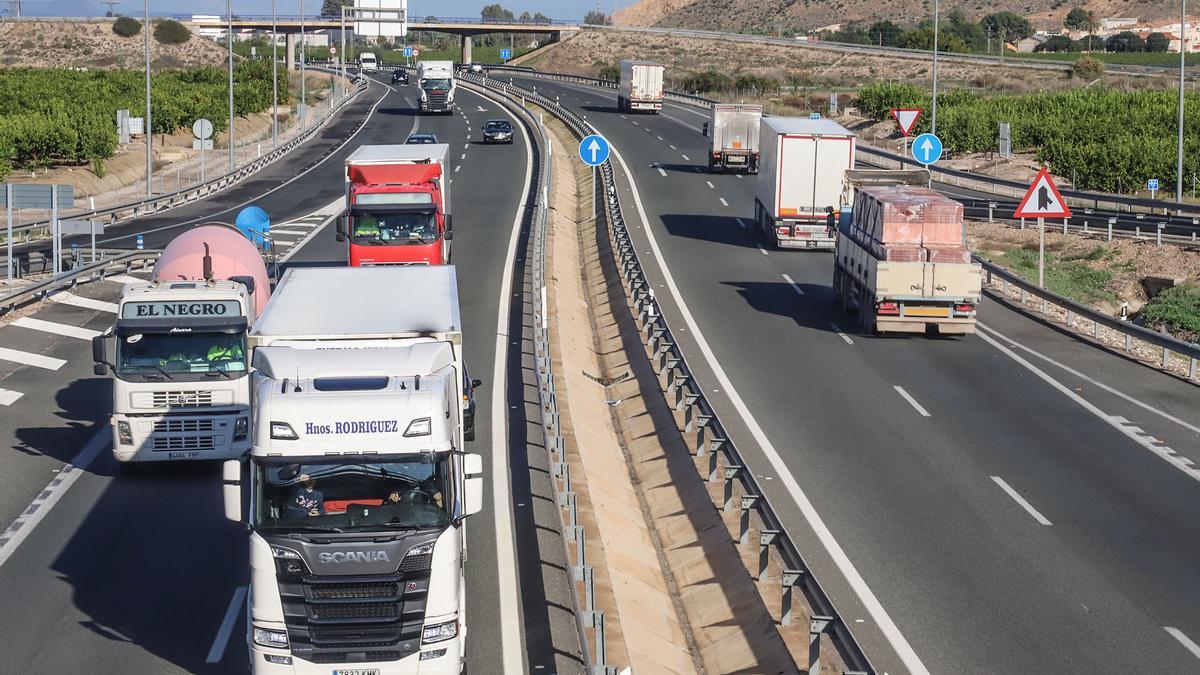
[(801, 180), (641, 86), (734, 136)]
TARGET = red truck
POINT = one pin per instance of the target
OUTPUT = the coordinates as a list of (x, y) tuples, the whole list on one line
[(397, 206)]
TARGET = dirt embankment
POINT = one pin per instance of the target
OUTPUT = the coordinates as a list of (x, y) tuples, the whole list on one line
[(54, 43)]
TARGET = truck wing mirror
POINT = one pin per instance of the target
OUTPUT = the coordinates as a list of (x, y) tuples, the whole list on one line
[(340, 228), (473, 485), (705, 131), (476, 383), (449, 235), (99, 354), (231, 475)]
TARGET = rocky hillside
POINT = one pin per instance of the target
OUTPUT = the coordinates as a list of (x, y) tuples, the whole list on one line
[(54, 43), (792, 16)]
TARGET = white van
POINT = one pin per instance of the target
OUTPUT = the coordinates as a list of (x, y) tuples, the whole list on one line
[(367, 63)]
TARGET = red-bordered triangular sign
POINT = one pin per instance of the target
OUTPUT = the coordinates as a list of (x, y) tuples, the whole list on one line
[(1043, 200), (906, 118)]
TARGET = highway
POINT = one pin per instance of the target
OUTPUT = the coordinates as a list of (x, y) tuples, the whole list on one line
[(1014, 501), (140, 572)]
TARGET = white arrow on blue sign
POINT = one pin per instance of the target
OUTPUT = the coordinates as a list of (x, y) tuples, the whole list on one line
[(593, 150), (927, 149), (505, 54), (1152, 184), (408, 52)]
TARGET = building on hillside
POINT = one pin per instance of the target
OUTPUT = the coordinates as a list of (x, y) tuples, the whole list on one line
[(1172, 30), (1031, 43)]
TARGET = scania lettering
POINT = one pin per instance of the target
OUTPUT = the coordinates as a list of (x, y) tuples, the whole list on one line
[(180, 363), (360, 482)]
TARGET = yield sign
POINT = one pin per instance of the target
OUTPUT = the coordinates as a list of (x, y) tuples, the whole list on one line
[(1043, 200), (906, 118)]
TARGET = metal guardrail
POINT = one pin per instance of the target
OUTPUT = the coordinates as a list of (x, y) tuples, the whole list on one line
[(121, 263), (706, 436), (171, 200)]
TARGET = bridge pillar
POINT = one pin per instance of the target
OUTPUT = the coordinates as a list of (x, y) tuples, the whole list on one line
[(466, 49), (292, 40)]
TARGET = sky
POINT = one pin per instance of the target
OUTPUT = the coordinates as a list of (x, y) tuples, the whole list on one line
[(555, 9)]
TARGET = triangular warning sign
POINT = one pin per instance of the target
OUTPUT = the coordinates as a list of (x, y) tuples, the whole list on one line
[(1043, 200), (906, 118)]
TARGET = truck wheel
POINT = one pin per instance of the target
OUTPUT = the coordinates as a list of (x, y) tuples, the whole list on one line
[(838, 296)]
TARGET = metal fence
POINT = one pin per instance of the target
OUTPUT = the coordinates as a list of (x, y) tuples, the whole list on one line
[(112, 262), (718, 458)]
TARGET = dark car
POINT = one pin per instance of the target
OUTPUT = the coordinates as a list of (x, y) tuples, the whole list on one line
[(498, 131), (421, 139), (400, 76)]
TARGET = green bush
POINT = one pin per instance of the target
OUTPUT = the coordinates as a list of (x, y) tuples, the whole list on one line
[(126, 27), (171, 32), (612, 72), (709, 80), (1176, 308), (1088, 68)]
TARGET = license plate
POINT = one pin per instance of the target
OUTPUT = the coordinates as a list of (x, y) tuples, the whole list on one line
[(737, 160), (357, 671), (927, 311), (183, 455)]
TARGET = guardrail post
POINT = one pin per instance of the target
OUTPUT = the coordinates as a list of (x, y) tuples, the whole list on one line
[(816, 625), (1159, 233), (1111, 221), (1022, 223), (766, 539), (731, 473), (714, 456), (749, 502), (991, 208), (1166, 357), (1192, 368), (791, 579)]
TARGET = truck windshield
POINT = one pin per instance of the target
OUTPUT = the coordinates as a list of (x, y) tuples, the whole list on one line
[(436, 84), (394, 229), (406, 492), (167, 353)]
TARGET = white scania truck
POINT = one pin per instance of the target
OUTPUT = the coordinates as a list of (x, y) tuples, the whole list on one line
[(435, 79), (359, 483)]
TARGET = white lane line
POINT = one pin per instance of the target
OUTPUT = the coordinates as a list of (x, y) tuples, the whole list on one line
[(221, 640), (741, 223), (838, 329), (661, 171), (738, 176), (33, 514), (468, 137), (55, 328), (69, 298), (1183, 640), (911, 401), (31, 359), (296, 233), (795, 286), (457, 168), (672, 147), (636, 124), (1115, 421), (659, 137), (283, 243), (464, 155), (710, 185), (124, 279), (1145, 406), (624, 117), (723, 202), (685, 157), (334, 209), (1021, 500), (762, 250), (872, 605), (9, 397)]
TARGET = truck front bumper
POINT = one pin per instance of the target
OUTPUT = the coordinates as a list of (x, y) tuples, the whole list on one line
[(448, 662), (173, 438)]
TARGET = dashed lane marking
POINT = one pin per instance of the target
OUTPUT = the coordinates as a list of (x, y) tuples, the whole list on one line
[(685, 157), (795, 286), (762, 250), (9, 397), (1021, 500), (217, 652), (710, 185), (838, 329), (69, 298), (31, 359), (741, 223), (661, 171), (55, 328), (1184, 640), (723, 202), (911, 401)]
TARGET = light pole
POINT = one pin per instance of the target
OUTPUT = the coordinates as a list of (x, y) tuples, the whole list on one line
[(149, 134), (1182, 64), (274, 80), (303, 58), (229, 39), (933, 108)]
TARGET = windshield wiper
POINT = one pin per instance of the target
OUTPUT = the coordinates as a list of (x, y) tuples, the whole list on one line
[(159, 369), (219, 372), (306, 528)]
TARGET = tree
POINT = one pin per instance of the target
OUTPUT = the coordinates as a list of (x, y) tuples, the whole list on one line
[(496, 12), (885, 33), (594, 18), (1125, 42), (126, 26), (922, 38), (1058, 43), (171, 32), (333, 8), (525, 17), (957, 24), (1077, 19), (1157, 42), (1007, 26), (541, 18)]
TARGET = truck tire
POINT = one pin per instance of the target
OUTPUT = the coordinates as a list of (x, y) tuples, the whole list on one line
[(839, 291), (866, 314)]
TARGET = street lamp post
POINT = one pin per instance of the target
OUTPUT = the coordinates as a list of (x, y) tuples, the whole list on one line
[(274, 79), (229, 36), (933, 108), (1182, 64), (148, 133), (303, 58)]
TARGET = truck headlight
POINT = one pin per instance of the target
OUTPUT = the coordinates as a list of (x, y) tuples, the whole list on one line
[(440, 632), (124, 433), (283, 431), (271, 638), (240, 428), (418, 427)]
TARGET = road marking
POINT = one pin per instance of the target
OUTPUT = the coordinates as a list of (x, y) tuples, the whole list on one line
[(870, 602), (55, 328), (795, 286), (30, 359), (457, 168), (741, 223), (659, 137), (468, 137), (464, 155), (738, 176), (9, 397), (1183, 640), (283, 243), (124, 279), (287, 233), (762, 250), (335, 209), (231, 614), (685, 157), (911, 401), (1021, 500), (33, 514), (1115, 421), (69, 298), (672, 147), (838, 329), (723, 202), (624, 117), (1105, 387), (710, 185), (664, 173)]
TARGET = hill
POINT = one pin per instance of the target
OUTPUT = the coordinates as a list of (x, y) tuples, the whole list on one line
[(794, 16), (55, 43)]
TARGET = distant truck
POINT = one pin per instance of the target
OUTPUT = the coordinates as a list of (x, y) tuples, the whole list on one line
[(734, 135), (397, 206), (367, 63), (360, 482), (641, 87), (801, 180), (436, 81), (902, 259), (180, 364)]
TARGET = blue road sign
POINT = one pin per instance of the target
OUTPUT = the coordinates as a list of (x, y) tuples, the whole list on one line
[(505, 54), (927, 149), (140, 242), (593, 150), (1152, 184), (814, 116), (408, 52)]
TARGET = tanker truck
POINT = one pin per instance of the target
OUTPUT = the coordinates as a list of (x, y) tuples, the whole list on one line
[(180, 364)]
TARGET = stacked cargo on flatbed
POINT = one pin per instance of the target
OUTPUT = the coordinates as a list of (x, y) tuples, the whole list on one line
[(901, 257)]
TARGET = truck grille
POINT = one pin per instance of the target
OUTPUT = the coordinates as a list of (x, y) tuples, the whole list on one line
[(184, 443), (183, 426), (172, 399), (437, 98), (351, 591), (361, 657)]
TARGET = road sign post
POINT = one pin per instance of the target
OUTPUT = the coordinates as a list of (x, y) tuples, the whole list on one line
[(594, 150), (927, 149), (8, 206), (82, 226), (1152, 186), (1042, 201)]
